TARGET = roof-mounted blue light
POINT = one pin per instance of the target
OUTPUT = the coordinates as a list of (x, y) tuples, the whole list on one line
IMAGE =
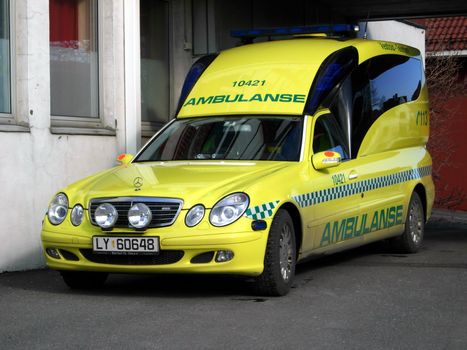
[(329, 29)]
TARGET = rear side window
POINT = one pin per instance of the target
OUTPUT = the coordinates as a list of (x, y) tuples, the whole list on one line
[(393, 80), (376, 86)]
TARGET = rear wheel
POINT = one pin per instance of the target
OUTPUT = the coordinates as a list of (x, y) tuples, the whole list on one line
[(84, 279), (411, 239), (280, 258)]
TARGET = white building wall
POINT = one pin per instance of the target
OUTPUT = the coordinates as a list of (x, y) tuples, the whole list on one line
[(36, 163)]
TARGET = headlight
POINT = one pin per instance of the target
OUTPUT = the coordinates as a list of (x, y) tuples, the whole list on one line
[(58, 209), (139, 215), (106, 215), (229, 209), (77, 215), (194, 215)]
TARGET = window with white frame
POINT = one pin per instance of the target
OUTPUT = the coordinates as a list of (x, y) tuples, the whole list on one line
[(74, 58), (5, 58)]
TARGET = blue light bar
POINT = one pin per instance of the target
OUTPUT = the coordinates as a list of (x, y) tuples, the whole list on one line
[(331, 29)]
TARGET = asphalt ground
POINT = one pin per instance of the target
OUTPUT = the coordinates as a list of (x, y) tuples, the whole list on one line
[(367, 298)]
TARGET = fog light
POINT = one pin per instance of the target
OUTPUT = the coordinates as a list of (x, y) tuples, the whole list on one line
[(106, 215), (224, 255), (53, 253), (139, 215)]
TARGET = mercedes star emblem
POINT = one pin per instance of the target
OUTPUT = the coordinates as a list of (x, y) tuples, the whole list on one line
[(138, 182)]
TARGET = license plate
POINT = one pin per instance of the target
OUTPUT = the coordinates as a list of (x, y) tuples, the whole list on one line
[(125, 245)]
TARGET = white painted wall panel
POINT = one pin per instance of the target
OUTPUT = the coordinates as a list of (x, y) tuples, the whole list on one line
[(34, 165)]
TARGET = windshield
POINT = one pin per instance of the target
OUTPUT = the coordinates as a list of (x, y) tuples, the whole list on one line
[(227, 138)]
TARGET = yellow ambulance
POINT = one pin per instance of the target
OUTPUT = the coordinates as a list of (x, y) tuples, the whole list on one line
[(280, 151)]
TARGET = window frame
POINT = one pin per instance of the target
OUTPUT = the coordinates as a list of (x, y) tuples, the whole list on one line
[(104, 124), (11, 121)]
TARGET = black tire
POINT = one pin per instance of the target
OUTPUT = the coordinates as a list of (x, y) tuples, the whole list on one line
[(411, 240), (84, 279), (280, 258)]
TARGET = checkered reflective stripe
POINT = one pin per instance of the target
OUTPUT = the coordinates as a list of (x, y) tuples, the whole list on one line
[(329, 194), (262, 211)]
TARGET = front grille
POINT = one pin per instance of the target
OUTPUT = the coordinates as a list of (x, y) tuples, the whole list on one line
[(164, 210), (164, 257)]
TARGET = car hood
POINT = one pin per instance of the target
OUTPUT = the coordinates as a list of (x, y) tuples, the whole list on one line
[(193, 182)]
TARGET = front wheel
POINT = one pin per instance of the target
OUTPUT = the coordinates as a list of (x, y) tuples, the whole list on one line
[(84, 279), (280, 257), (411, 239)]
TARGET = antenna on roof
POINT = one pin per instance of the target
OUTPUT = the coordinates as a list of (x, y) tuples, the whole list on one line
[(365, 34)]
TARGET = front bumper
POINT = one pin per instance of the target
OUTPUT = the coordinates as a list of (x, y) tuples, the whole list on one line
[(180, 253)]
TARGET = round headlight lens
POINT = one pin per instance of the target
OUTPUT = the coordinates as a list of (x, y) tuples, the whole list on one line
[(58, 209), (139, 215), (229, 209), (77, 215), (106, 215), (194, 215)]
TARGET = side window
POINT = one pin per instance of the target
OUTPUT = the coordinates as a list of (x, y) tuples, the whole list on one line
[(393, 80), (321, 137), (328, 136)]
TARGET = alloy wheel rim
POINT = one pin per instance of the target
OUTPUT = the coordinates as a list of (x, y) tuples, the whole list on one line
[(285, 252), (415, 222)]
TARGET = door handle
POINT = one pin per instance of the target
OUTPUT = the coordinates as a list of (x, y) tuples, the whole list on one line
[(353, 175)]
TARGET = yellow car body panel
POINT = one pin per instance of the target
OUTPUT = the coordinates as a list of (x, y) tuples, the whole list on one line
[(360, 200)]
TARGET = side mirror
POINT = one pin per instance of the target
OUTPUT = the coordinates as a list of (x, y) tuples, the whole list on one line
[(326, 159), (125, 158)]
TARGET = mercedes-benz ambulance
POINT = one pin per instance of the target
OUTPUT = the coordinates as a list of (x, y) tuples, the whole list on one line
[(279, 151)]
